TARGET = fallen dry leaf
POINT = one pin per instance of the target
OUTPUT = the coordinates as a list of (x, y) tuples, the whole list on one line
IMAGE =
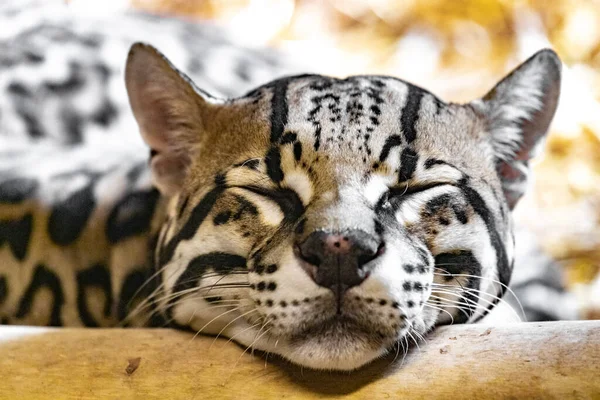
[(134, 363)]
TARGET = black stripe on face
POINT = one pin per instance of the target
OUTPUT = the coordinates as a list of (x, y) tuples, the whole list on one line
[(43, 277), (288, 201), (462, 262), (273, 163), (390, 143), (408, 164), (279, 110), (219, 262), (479, 206), (197, 217), (410, 113)]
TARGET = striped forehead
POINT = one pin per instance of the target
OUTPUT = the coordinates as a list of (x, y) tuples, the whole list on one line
[(363, 116), (358, 123)]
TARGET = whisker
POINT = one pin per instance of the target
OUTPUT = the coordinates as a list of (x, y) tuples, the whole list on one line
[(211, 321), (508, 289), (478, 294), (231, 322)]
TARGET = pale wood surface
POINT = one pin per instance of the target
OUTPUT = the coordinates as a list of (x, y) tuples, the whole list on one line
[(525, 361)]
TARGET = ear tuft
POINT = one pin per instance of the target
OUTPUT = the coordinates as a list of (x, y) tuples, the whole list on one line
[(518, 112), (169, 111)]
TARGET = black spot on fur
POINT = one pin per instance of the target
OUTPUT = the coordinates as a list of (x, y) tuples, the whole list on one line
[(33, 126), (131, 215), (16, 190), (18, 89), (409, 268), (17, 234), (222, 218), (73, 126), (43, 278), (271, 269), (69, 217), (105, 114), (33, 58), (96, 276)]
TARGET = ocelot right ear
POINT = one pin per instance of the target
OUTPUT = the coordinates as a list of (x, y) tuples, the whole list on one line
[(517, 114), (170, 111)]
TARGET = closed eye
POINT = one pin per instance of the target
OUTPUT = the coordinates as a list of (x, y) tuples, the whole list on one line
[(288, 201), (396, 195)]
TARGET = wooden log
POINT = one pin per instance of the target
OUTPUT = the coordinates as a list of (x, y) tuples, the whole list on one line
[(535, 360)]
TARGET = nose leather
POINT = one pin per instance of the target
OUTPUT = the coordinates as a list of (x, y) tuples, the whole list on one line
[(338, 261)]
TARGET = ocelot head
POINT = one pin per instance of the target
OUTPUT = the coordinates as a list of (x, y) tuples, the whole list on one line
[(326, 219)]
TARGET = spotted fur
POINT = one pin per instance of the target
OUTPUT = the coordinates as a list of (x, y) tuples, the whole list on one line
[(207, 232)]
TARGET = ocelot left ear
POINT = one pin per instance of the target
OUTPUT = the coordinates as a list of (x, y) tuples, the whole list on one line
[(517, 113), (171, 113)]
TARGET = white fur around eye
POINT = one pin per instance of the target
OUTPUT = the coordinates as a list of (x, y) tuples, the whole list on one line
[(301, 184), (377, 186)]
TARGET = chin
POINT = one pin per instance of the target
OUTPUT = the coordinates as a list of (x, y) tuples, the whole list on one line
[(339, 345)]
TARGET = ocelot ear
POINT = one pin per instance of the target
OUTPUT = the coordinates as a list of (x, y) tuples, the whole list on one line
[(517, 113), (169, 111)]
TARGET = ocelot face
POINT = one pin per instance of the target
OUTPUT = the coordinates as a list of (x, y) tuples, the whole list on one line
[(326, 219)]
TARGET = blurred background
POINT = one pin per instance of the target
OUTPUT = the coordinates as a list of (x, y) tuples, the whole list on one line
[(457, 49)]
